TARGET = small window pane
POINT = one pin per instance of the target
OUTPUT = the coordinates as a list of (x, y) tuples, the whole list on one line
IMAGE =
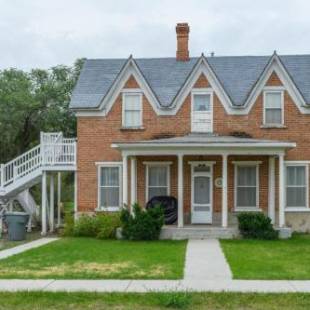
[(109, 176), (158, 176), (109, 197), (246, 197), (296, 176), (201, 103), (273, 116), (273, 100), (246, 176), (157, 191), (132, 102), (132, 118), (202, 190), (296, 197)]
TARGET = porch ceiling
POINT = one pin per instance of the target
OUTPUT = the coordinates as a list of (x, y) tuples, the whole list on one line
[(206, 143)]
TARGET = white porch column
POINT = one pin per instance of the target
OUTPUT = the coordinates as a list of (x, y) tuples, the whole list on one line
[(44, 204), (281, 191), (133, 181), (58, 197), (180, 191), (224, 192), (52, 203), (271, 189), (75, 195), (125, 180)]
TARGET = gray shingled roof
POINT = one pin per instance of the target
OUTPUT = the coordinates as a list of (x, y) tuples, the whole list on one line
[(166, 76)]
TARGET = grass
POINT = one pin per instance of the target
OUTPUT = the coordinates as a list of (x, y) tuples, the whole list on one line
[(269, 260), (87, 258), (6, 244), (96, 301)]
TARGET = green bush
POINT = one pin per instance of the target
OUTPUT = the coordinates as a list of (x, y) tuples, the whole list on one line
[(69, 224), (143, 224), (256, 225), (101, 226)]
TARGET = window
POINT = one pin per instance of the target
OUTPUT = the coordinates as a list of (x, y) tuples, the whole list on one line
[(246, 186), (273, 108), (158, 179), (132, 110), (296, 186), (202, 111), (109, 187)]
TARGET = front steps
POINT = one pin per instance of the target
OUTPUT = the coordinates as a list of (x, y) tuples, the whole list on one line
[(198, 232)]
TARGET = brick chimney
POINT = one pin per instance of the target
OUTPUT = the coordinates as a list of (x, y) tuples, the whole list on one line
[(182, 30)]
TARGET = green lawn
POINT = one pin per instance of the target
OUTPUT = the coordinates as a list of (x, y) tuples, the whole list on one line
[(279, 259), (87, 258), (193, 301)]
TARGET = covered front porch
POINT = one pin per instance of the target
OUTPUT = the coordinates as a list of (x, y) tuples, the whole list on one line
[(213, 177)]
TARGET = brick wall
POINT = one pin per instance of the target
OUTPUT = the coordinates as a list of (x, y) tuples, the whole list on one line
[(95, 135)]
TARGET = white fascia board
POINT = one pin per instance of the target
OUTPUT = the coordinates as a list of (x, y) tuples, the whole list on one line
[(276, 66)]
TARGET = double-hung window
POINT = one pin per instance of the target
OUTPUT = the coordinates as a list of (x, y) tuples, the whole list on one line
[(110, 187), (246, 186), (157, 180), (132, 110), (296, 186), (273, 108)]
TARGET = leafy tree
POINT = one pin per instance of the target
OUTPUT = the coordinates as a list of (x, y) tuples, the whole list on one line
[(35, 101)]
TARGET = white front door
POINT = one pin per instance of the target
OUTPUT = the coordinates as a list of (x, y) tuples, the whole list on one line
[(201, 195), (202, 112)]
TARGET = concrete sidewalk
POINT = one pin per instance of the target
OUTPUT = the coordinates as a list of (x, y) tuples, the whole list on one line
[(144, 286), (25, 247), (205, 260)]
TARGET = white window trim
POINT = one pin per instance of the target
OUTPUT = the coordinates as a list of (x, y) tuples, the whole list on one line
[(109, 164), (149, 164), (273, 89), (126, 93), (302, 163), (249, 164), (202, 91)]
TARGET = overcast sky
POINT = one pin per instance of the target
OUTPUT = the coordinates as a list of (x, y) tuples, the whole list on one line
[(44, 33)]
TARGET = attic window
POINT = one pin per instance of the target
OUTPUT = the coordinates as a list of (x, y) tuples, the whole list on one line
[(132, 110), (273, 108)]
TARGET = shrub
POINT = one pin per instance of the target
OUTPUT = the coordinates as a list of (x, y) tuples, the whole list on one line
[(176, 300), (101, 226), (143, 224), (107, 225), (69, 224), (256, 225)]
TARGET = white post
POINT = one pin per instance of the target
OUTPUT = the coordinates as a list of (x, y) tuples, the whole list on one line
[(281, 191), (125, 180), (58, 197), (43, 203), (2, 175), (271, 189), (75, 195), (133, 185), (224, 192), (180, 191), (52, 203)]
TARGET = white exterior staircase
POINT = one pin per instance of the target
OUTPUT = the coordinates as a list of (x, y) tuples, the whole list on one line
[(54, 153)]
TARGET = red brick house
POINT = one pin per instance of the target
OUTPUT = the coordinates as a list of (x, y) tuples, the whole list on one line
[(221, 134)]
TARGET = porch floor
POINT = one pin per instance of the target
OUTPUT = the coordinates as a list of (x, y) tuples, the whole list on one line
[(198, 232)]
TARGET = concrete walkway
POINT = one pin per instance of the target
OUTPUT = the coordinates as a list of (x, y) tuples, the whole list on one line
[(144, 286), (205, 260), (25, 247)]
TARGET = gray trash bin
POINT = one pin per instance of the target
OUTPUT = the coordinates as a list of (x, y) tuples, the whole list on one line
[(16, 222)]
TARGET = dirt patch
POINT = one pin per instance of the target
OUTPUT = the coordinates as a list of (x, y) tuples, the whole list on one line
[(103, 269)]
